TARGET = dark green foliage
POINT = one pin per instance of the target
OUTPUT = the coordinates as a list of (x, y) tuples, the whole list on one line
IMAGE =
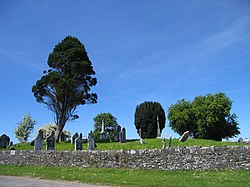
[(207, 117), (146, 119), (181, 118), (110, 124), (67, 84)]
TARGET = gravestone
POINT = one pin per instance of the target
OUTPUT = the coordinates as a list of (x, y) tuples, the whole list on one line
[(108, 137), (91, 141), (184, 136), (103, 133), (4, 141), (38, 142), (164, 143), (170, 141), (11, 143), (50, 142), (141, 139), (123, 135), (117, 133), (78, 143), (12, 146), (240, 140), (74, 138)]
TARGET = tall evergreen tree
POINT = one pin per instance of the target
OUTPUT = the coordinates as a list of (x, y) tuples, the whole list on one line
[(146, 119), (67, 84)]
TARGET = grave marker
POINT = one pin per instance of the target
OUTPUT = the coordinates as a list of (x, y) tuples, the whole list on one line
[(91, 141), (78, 143), (4, 141), (74, 138), (38, 142), (50, 142), (184, 136), (123, 135)]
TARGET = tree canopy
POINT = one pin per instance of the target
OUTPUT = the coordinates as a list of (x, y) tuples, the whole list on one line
[(146, 119), (207, 117), (24, 128), (110, 124), (67, 84)]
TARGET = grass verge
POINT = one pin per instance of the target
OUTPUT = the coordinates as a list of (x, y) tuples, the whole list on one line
[(132, 177), (135, 144)]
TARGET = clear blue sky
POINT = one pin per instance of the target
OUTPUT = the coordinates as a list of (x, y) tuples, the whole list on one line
[(154, 50)]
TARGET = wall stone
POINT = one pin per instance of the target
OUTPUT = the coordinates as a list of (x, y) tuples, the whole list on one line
[(177, 158)]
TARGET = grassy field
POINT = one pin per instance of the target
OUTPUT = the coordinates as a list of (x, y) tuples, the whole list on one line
[(131, 177), (135, 144)]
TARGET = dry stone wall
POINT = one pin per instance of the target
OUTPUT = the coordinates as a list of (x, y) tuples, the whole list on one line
[(177, 158)]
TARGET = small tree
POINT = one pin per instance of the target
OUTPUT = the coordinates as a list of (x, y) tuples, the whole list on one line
[(146, 119), (67, 84), (24, 128), (110, 124)]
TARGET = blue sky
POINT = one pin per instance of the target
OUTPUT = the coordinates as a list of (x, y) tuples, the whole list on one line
[(152, 50)]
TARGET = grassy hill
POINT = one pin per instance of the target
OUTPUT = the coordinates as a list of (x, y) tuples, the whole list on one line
[(135, 144)]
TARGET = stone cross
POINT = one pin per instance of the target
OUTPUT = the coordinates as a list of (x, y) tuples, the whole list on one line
[(102, 127), (123, 135), (164, 143), (103, 134), (91, 141), (170, 141), (158, 128), (50, 142), (184, 136), (74, 138), (78, 143), (38, 142)]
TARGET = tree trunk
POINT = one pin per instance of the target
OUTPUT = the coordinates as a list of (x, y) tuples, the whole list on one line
[(58, 132)]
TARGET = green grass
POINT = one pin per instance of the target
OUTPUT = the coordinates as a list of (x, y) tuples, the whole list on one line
[(135, 144), (132, 177)]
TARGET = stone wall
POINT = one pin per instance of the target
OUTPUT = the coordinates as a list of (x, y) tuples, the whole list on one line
[(177, 158)]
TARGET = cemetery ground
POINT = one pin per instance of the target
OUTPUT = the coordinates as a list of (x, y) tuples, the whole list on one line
[(133, 144), (133, 177)]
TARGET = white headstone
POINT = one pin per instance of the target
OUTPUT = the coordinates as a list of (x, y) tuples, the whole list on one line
[(158, 128), (164, 143), (102, 127), (184, 137), (141, 139)]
